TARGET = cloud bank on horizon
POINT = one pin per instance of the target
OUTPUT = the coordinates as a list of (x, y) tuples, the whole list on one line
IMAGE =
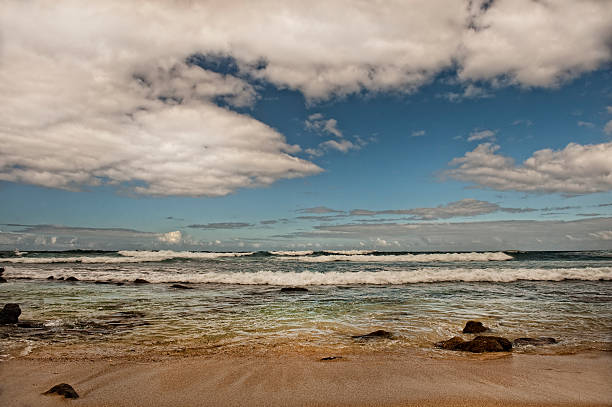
[(111, 92)]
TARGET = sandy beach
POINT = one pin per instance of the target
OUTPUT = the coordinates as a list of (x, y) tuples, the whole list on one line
[(361, 380)]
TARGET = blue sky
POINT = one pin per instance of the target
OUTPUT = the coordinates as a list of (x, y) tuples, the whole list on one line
[(260, 145)]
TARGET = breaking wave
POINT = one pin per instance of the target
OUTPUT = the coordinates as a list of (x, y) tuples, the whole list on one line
[(429, 257), (307, 278)]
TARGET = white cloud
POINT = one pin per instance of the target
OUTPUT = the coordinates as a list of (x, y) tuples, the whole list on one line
[(418, 133), (99, 91), (585, 124), (609, 109), (577, 169), (481, 135), (608, 128), (471, 91), (175, 237), (343, 145), (604, 235)]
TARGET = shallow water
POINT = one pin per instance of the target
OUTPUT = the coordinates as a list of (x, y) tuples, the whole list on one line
[(236, 304)]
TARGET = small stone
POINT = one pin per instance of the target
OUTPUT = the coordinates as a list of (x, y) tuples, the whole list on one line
[(63, 389), (71, 278), (10, 314), (474, 327), (293, 290), (141, 281), (181, 287), (376, 334)]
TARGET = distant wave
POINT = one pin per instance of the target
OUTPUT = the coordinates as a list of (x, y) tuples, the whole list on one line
[(142, 256), (127, 256), (307, 278), (487, 256)]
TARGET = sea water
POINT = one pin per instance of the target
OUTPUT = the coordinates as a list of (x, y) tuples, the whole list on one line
[(236, 305)]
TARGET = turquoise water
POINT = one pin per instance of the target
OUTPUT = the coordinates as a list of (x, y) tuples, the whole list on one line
[(236, 303)]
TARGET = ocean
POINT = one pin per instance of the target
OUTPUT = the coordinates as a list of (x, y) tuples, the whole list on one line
[(235, 303)]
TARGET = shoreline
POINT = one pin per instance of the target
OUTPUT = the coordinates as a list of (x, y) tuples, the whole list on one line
[(278, 380)]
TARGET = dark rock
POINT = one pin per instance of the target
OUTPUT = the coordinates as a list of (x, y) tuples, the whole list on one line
[(141, 281), (331, 358), (376, 334), (479, 344), (102, 282), (450, 344), (474, 327), (71, 278), (63, 389), (181, 287), (1, 270), (60, 278), (2, 280), (293, 290), (119, 283), (50, 278), (10, 314), (542, 340)]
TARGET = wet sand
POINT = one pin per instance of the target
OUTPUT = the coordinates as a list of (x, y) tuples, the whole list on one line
[(361, 380)]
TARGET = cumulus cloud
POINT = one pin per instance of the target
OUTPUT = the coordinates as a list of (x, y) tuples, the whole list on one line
[(470, 92), (462, 208), (608, 128), (418, 133), (88, 99), (576, 169), (318, 123), (481, 135)]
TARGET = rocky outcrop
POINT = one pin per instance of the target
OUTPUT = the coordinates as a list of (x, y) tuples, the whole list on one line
[(293, 290), (542, 340), (10, 314), (376, 334), (474, 327), (479, 344), (63, 389)]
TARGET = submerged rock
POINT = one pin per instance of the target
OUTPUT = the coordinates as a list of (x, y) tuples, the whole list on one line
[(479, 344), (1, 270), (474, 327), (71, 278), (141, 281), (50, 278), (181, 287), (63, 389), (31, 325), (542, 340), (60, 278), (119, 283), (10, 314), (293, 290), (2, 279), (376, 334)]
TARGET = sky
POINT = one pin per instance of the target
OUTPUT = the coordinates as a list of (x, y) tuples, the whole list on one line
[(243, 126)]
